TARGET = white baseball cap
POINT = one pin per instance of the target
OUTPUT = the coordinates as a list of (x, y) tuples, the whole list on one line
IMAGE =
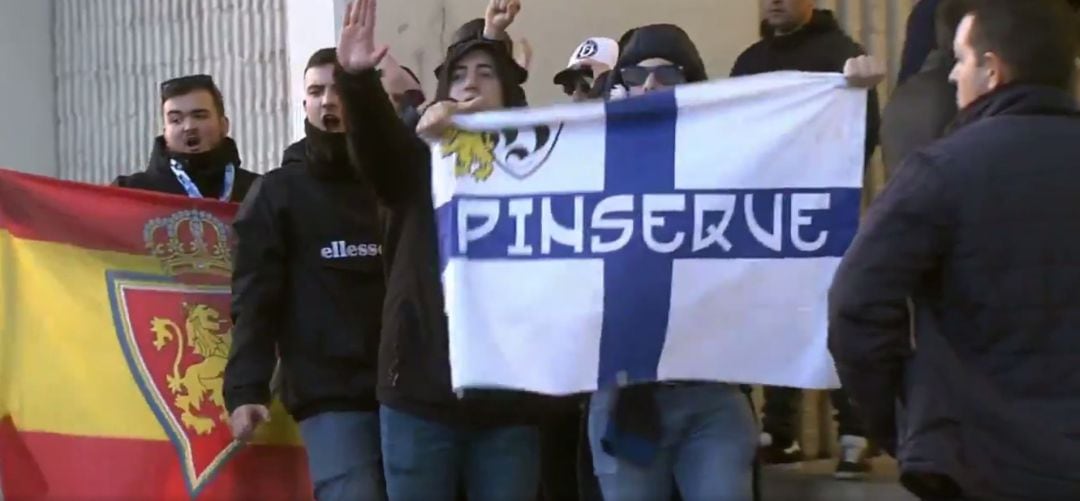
[(597, 49)]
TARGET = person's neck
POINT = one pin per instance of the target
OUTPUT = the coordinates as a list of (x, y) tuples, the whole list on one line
[(785, 31)]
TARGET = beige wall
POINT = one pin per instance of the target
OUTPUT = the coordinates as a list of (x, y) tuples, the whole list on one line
[(27, 96), (418, 30)]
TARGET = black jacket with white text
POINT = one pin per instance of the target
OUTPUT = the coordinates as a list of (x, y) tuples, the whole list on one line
[(308, 283)]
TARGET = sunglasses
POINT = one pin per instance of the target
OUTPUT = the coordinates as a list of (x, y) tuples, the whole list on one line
[(636, 76), (580, 80)]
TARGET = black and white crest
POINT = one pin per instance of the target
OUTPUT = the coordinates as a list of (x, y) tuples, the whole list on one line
[(520, 152), (588, 49)]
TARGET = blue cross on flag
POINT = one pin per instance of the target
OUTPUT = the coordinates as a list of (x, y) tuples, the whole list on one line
[(684, 235)]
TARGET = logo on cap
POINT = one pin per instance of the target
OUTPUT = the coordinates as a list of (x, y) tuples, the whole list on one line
[(588, 49)]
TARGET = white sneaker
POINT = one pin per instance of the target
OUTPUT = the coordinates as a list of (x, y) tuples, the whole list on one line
[(853, 464)]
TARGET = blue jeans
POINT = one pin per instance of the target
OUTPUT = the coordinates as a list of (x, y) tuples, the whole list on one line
[(707, 446), (344, 455), (424, 460)]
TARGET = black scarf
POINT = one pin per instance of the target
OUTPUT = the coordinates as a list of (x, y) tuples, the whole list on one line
[(206, 169), (327, 153)]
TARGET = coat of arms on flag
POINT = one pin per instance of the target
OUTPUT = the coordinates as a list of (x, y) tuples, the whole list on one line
[(175, 332)]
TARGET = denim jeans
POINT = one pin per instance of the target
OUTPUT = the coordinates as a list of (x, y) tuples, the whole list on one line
[(344, 455), (707, 447), (425, 460)]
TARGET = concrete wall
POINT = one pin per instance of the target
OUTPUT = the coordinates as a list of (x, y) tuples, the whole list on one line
[(112, 55), (418, 31), (27, 87)]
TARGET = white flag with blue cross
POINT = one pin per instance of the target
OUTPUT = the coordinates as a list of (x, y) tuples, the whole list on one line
[(687, 235)]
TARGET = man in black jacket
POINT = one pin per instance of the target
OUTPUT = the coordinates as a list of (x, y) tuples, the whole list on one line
[(796, 37), (308, 286), (922, 107), (980, 232), (194, 155), (433, 441)]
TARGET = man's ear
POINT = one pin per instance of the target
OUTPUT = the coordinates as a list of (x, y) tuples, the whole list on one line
[(997, 72), (225, 122)]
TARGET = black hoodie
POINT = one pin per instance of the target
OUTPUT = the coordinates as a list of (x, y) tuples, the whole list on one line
[(207, 171), (665, 41), (819, 46), (414, 362), (308, 281)]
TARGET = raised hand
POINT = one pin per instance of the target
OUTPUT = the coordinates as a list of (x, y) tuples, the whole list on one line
[(500, 14), (439, 117), (396, 81), (356, 48)]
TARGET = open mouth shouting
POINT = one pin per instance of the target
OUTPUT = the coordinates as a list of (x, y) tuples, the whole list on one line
[(333, 123)]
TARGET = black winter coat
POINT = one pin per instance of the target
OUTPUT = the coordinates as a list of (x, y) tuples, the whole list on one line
[(209, 176), (820, 46), (308, 282), (414, 361), (981, 231)]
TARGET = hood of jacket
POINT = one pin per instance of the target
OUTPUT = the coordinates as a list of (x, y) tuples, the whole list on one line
[(666, 41)]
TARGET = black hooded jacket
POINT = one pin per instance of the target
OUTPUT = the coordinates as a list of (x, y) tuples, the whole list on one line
[(666, 41), (308, 282), (819, 46), (414, 362), (207, 171)]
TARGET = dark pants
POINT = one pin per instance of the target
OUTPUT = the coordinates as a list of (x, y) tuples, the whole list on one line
[(426, 460), (781, 414), (565, 461)]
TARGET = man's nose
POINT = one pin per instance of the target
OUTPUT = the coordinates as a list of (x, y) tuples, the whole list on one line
[(651, 83), (470, 81), (332, 100)]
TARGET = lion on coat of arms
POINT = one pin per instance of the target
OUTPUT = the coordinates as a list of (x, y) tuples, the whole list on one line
[(202, 380)]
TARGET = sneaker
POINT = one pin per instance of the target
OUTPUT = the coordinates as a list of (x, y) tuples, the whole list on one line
[(779, 453), (853, 459)]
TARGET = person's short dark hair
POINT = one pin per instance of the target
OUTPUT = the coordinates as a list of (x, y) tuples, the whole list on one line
[(1037, 39), (322, 57), (947, 19), (185, 85)]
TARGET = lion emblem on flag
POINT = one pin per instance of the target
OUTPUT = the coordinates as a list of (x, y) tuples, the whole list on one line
[(201, 381), (518, 152)]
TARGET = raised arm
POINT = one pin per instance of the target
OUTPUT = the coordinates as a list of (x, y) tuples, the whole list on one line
[(386, 151)]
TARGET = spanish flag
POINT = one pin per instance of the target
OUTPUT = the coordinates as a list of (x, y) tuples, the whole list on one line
[(114, 332)]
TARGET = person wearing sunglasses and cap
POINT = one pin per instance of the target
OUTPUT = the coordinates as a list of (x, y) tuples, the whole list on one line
[(648, 440), (590, 65), (194, 155), (699, 437)]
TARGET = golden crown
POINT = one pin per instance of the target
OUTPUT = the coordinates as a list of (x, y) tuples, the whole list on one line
[(190, 241)]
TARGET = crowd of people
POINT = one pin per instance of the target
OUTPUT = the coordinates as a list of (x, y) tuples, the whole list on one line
[(338, 307)]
